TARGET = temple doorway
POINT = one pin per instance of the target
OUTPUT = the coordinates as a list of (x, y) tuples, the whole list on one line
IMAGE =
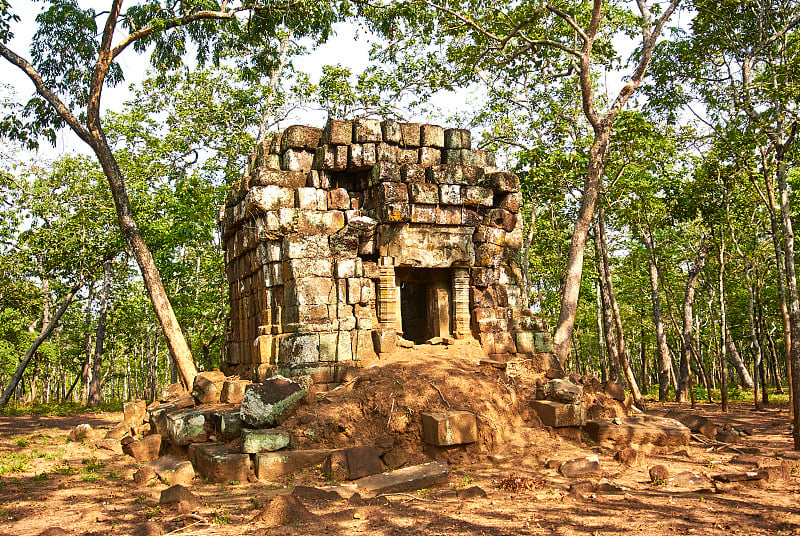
[(425, 302)]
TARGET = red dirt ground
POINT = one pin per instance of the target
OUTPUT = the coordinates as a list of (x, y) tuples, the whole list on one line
[(82, 489)]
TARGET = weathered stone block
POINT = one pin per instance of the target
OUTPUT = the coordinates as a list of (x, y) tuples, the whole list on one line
[(488, 254), (338, 199), (220, 463), (501, 218), (422, 193), (266, 176), (208, 386), (646, 433), (316, 222), (502, 181), (274, 465), (429, 156), (384, 340), (190, 425), (478, 196), (266, 402), (297, 160), (451, 194), (449, 428), (406, 156), (389, 192), (451, 156), (563, 391), (457, 138), (581, 467), (424, 214), (492, 235), (511, 202), (266, 198), (352, 463), (385, 152), (303, 348), (394, 213), (412, 173), (337, 132), (305, 247), (446, 174), (367, 130), (409, 134), (264, 440), (384, 172), (391, 131), (407, 479), (173, 471), (432, 136), (233, 391), (300, 137), (557, 415), (228, 423), (134, 413), (543, 342), (144, 450)]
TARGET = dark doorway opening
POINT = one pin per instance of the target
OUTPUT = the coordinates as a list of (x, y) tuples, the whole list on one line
[(425, 297)]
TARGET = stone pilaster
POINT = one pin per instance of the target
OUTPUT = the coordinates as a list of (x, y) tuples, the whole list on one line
[(461, 314)]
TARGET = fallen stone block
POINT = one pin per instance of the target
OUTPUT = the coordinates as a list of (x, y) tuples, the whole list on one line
[(687, 479), (208, 386), (406, 479), (134, 413), (265, 403), (121, 430), (109, 444), (220, 463), (563, 391), (180, 498), (741, 477), (144, 475), (274, 465), (658, 474), (696, 423), (557, 415), (192, 425), (158, 413), (642, 432), (261, 440), (144, 450), (352, 463), (581, 467), (449, 428), (172, 470), (228, 424), (83, 431)]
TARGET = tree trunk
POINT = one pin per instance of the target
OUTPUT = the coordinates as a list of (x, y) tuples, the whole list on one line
[(756, 344), (688, 319), (46, 331), (609, 331), (624, 361), (100, 338), (664, 359), (574, 270), (644, 374), (601, 345), (780, 268), (723, 326), (738, 364)]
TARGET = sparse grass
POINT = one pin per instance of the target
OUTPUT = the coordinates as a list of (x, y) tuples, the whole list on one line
[(15, 462), (59, 409), (221, 517)]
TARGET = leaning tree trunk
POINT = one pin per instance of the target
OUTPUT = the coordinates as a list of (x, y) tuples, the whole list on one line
[(738, 363), (48, 329), (664, 359), (95, 386), (624, 361), (688, 320)]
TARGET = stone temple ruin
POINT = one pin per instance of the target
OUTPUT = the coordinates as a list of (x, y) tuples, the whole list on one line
[(341, 242)]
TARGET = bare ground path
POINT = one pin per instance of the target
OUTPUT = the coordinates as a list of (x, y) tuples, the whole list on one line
[(49, 482)]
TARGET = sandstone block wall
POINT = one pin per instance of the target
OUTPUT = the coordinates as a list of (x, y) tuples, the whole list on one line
[(363, 228)]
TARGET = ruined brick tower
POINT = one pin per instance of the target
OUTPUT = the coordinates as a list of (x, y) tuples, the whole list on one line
[(338, 241)]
